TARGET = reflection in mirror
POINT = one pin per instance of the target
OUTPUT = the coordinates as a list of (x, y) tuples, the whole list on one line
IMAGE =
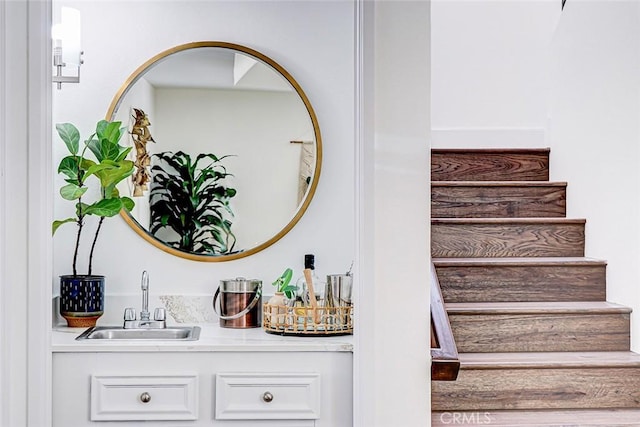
[(230, 153)]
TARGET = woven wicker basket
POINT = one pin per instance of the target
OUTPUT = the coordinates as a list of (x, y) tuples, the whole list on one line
[(307, 321)]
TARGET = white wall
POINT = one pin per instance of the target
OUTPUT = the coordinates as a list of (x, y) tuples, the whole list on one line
[(397, 145), (490, 71), (595, 135), (313, 41)]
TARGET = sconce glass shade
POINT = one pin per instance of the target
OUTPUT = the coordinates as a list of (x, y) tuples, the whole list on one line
[(66, 35)]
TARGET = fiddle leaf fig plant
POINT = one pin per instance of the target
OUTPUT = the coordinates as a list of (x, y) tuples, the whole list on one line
[(189, 203), (282, 284), (108, 168)]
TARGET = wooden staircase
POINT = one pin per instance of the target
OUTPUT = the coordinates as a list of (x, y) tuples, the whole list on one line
[(538, 343)]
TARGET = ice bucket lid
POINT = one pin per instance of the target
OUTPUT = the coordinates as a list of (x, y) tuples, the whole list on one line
[(240, 285)]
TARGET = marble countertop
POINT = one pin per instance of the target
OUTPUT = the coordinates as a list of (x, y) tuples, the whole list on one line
[(213, 338)]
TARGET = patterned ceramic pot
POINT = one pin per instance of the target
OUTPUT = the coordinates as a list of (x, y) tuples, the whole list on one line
[(81, 300)]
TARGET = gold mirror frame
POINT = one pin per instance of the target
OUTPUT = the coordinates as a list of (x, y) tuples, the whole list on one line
[(141, 231)]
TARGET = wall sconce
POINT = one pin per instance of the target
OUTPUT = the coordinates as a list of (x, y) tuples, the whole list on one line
[(66, 46)]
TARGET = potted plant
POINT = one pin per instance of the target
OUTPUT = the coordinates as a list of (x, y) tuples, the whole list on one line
[(278, 302), (82, 295), (189, 203)]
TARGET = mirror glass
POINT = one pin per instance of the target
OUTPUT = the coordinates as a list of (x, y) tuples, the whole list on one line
[(227, 150)]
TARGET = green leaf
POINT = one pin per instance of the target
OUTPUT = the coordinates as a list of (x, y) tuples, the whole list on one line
[(109, 131), (286, 276), (105, 207), (97, 167), (72, 192), (69, 166), (70, 135), (124, 151), (94, 146), (289, 291), (113, 173), (108, 149), (81, 208), (282, 282), (85, 164), (72, 181), (127, 203), (57, 223)]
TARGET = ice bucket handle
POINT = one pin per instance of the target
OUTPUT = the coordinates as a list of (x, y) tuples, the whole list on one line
[(252, 304)]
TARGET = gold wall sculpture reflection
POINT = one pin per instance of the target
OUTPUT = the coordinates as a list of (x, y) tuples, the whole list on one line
[(140, 135)]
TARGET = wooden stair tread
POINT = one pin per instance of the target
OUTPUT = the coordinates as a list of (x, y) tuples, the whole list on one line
[(590, 307), (541, 418), (503, 221), (498, 184), (544, 360), (516, 261)]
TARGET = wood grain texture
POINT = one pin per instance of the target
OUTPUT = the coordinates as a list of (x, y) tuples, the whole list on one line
[(540, 418), (524, 279), (537, 343), (535, 237), (540, 332), (497, 200), (554, 388), (490, 165)]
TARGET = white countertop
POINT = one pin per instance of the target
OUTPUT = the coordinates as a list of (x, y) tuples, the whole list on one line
[(213, 338)]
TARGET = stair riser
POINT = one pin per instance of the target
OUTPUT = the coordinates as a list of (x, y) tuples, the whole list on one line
[(489, 166), (540, 332), (522, 283), (497, 202), (506, 240), (550, 388)]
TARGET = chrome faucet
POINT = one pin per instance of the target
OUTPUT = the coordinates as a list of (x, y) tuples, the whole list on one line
[(145, 322), (144, 314)]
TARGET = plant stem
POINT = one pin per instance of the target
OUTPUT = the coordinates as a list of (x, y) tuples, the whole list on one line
[(93, 245), (80, 221), (75, 253)]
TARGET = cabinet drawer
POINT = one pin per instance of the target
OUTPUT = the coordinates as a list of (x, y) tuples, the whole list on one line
[(267, 396), (133, 398)]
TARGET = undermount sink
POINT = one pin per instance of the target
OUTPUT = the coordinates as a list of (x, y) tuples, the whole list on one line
[(174, 333)]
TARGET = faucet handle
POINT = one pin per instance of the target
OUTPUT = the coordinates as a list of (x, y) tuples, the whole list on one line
[(129, 314), (159, 314)]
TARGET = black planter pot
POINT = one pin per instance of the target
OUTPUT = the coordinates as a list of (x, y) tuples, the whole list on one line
[(81, 299)]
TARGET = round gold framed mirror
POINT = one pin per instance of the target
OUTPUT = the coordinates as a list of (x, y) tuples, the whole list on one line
[(227, 150)]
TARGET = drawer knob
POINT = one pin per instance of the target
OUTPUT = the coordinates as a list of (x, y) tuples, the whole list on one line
[(145, 397), (267, 397)]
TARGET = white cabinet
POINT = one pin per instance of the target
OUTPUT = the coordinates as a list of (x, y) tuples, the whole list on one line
[(197, 389)]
